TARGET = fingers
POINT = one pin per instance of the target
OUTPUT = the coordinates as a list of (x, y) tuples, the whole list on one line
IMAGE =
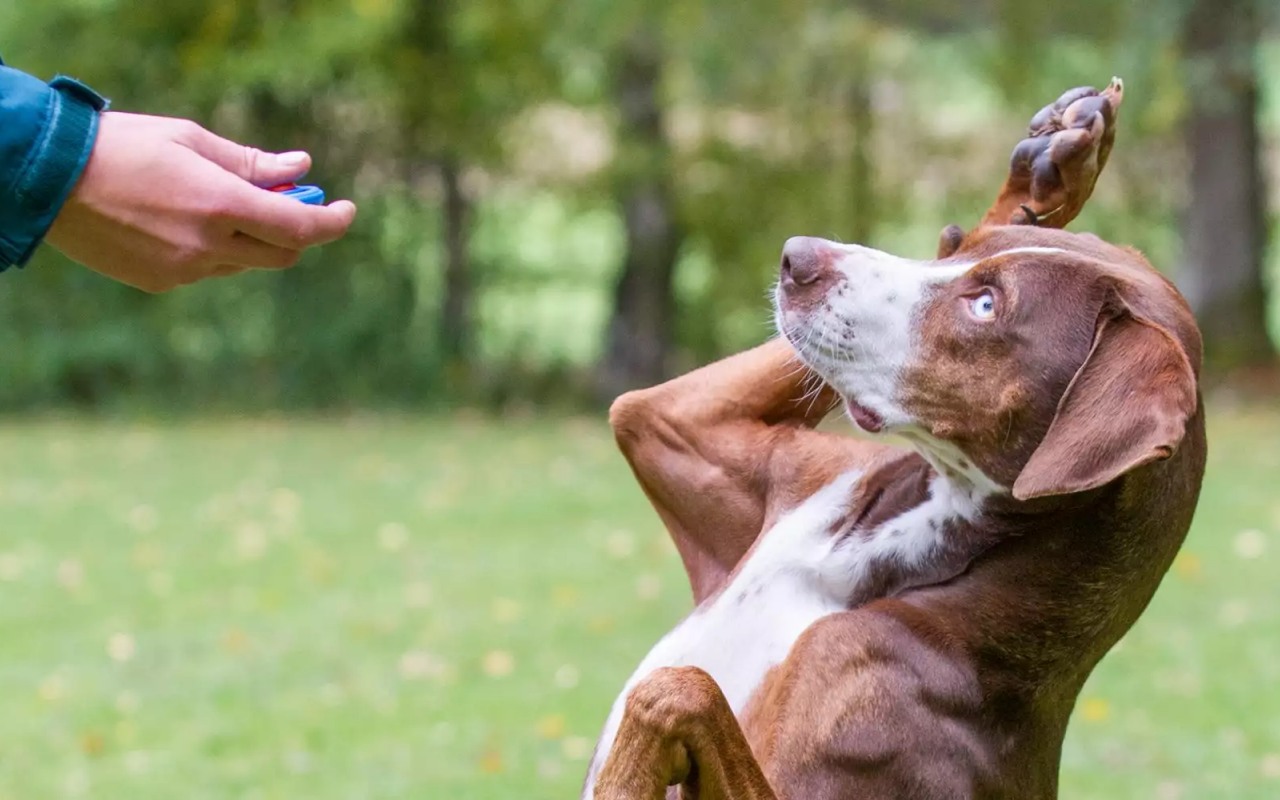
[(244, 251), (253, 165), (265, 216), (241, 253), (286, 223), (226, 270)]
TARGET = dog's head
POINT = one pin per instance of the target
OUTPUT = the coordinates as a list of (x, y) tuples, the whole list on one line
[(1030, 360)]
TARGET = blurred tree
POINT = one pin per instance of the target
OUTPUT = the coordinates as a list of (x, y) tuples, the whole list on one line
[(1225, 232), (460, 74), (456, 312), (599, 188), (434, 108), (640, 330)]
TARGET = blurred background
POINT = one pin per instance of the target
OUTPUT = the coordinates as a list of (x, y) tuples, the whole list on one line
[(358, 530)]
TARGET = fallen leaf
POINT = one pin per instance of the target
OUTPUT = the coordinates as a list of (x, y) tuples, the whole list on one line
[(143, 518), (576, 748), (566, 676), (1270, 766), (620, 544), (491, 762), (1095, 709), (505, 610), (498, 663), (52, 689), (417, 595), (70, 574), (421, 665), (121, 647), (551, 726), (1250, 544), (648, 587), (235, 641), (92, 743), (1188, 566), (393, 536), (564, 596)]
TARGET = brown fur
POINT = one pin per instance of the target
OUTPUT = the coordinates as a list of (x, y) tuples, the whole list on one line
[(1083, 399)]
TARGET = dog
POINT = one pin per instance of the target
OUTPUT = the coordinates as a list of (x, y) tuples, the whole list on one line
[(912, 614)]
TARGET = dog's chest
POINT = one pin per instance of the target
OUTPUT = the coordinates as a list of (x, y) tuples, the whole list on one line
[(797, 574)]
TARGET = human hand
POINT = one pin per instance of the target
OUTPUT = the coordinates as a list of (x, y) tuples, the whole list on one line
[(164, 202)]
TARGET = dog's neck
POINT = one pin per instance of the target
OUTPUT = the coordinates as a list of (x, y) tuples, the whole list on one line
[(950, 462), (914, 525)]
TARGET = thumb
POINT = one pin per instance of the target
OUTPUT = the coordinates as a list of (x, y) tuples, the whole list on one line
[(254, 165)]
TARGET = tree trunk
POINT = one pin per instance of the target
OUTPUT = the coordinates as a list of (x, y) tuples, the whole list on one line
[(455, 309), (1225, 224), (861, 167), (639, 334)]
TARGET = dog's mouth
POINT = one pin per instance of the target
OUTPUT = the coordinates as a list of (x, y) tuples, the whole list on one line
[(863, 417), (815, 353)]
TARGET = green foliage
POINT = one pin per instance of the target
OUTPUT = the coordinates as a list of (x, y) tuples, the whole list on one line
[(870, 121)]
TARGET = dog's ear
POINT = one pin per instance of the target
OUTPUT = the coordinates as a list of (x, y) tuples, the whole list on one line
[(1128, 405), (949, 241)]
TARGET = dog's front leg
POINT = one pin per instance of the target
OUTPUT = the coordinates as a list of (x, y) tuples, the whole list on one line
[(678, 730), (720, 450), (1053, 171)]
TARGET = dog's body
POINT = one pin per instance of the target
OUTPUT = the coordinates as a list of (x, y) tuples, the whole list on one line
[(875, 622)]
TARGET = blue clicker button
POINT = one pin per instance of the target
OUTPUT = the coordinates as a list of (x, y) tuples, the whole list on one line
[(311, 195)]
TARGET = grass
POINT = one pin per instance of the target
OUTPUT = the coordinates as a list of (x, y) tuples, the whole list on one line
[(393, 608)]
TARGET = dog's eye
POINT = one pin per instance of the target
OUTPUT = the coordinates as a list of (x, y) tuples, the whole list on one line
[(983, 306)]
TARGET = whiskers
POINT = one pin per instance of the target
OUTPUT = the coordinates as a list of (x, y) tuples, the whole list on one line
[(810, 342), (800, 367), (812, 384)]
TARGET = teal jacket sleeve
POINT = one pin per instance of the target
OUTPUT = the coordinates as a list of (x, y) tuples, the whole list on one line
[(46, 134)]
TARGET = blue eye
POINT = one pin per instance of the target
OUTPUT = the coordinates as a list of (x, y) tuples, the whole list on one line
[(983, 306)]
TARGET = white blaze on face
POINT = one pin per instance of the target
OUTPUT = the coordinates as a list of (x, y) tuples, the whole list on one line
[(866, 332), (864, 335)]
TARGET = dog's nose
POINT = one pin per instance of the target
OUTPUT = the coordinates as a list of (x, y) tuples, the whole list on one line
[(806, 261)]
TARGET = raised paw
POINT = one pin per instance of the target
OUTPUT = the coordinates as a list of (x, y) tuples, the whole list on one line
[(1053, 170), (1067, 146)]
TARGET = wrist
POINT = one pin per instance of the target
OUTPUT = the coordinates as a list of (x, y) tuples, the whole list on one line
[(55, 164)]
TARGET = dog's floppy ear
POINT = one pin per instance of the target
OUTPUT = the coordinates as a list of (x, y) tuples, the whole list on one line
[(1128, 405)]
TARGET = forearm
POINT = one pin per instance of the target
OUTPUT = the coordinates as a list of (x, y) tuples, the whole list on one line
[(704, 445), (767, 383)]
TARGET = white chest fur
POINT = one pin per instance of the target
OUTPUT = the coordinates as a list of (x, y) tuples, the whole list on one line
[(797, 574)]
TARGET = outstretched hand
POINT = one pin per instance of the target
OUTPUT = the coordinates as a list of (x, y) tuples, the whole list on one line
[(164, 202)]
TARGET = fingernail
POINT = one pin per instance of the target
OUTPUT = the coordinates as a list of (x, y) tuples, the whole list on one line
[(294, 158)]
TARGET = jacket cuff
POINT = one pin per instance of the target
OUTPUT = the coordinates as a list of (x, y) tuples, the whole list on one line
[(56, 162)]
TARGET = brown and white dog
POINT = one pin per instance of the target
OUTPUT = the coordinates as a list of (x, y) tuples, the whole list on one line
[(876, 621)]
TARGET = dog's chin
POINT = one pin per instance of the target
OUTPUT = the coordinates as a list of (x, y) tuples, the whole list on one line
[(864, 418)]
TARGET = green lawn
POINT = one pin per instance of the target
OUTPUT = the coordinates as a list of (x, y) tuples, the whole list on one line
[(397, 608)]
